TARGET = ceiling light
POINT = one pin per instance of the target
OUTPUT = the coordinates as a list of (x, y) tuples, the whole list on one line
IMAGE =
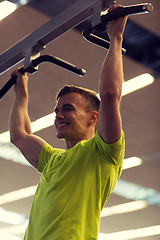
[(6, 8), (137, 83), (23, 2), (37, 125), (17, 229), (133, 191), (123, 208), (43, 122), (6, 236), (5, 137), (17, 195), (11, 217), (131, 234), (131, 162)]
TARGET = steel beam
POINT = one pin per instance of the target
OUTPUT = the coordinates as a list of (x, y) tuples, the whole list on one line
[(34, 43)]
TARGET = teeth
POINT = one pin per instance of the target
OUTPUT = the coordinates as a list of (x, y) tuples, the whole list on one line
[(62, 124)]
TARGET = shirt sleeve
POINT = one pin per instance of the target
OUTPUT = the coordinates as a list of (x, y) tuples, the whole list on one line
[(112, 153), (45, 155)]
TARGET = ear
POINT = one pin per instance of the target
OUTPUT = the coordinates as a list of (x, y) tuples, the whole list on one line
[(93, 117)]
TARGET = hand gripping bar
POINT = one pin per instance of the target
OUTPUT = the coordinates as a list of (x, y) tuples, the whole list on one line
[(89, 32)]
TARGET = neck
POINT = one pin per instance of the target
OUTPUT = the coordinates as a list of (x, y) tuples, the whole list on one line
[(72, 142)]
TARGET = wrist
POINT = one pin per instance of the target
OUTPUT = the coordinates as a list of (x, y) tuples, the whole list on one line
[(22, 96), (116, 42), (118, 38)]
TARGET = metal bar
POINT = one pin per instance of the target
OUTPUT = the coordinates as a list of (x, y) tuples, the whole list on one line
[(90, 34), (66, 20), (128, 10), (34, 63), (60, 62)]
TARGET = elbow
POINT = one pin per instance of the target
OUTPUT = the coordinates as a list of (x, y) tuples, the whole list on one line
[(14, 140), (17, 135), (111, 94)]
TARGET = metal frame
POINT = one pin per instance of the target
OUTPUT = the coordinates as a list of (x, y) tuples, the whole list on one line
[(34, 43)]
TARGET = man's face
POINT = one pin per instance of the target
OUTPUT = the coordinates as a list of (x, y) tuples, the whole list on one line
[(72, 119)]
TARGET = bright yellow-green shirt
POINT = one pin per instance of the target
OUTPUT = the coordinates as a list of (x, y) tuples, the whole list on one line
[(74, 186)]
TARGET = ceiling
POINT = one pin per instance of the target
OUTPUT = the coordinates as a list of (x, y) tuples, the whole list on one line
[(138, 185)]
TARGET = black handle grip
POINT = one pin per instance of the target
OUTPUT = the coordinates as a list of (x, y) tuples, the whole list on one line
[(90, 35), (128, 10), (89, 32), (8, 85), (36, 62), (60, 62)]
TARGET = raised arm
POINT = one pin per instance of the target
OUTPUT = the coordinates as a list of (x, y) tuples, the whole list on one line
[(20, 128), (109, 124)]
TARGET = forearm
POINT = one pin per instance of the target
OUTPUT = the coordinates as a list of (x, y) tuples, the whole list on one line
[(111, 77), (19, 118)]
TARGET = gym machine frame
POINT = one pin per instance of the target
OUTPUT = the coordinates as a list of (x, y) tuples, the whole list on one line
[(30, 47)]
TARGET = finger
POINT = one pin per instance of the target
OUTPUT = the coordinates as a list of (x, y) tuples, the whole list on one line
[(18, 73), (14, 72), (114, 7)]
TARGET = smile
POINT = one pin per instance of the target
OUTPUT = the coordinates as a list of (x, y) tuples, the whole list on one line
[(62, 125)]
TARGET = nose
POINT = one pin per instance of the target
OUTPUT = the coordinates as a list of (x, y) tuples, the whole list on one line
[(59, 115)]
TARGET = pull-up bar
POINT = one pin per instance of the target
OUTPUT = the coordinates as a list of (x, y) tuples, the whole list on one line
[(35, 42), (89, 32), (32, 68)]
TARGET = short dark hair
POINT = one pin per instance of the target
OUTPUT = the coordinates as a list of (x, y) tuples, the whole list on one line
[(89, 95)]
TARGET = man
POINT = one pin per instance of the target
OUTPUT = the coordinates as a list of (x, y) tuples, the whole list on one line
[(76, 182)]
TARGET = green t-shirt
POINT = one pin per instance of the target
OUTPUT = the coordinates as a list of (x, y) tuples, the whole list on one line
[(74, 186)]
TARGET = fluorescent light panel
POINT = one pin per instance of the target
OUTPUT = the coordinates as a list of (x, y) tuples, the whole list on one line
[(131, 234), (23, 2), (11, 217), (18, 229), (133, 191), (6, 8), (123, 208), (17, 195), (6, 236), (43, 122), (37, 125), (131, 162), (137, 83), (6, 233)]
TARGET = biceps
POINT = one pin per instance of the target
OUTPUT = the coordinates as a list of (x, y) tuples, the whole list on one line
[(30, 146), (109, 124)]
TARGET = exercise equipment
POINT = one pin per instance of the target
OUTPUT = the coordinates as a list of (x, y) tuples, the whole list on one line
[(29, 48), (32, 68), (89, 32)]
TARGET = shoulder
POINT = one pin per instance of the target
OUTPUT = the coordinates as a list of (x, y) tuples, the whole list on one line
[(117, 144), (114, 152), (47, 153)]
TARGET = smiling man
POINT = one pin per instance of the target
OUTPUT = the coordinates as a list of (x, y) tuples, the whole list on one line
[(76, 182), (76, 114)]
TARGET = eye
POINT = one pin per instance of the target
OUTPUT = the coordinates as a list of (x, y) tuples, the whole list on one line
[(68, 109)]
